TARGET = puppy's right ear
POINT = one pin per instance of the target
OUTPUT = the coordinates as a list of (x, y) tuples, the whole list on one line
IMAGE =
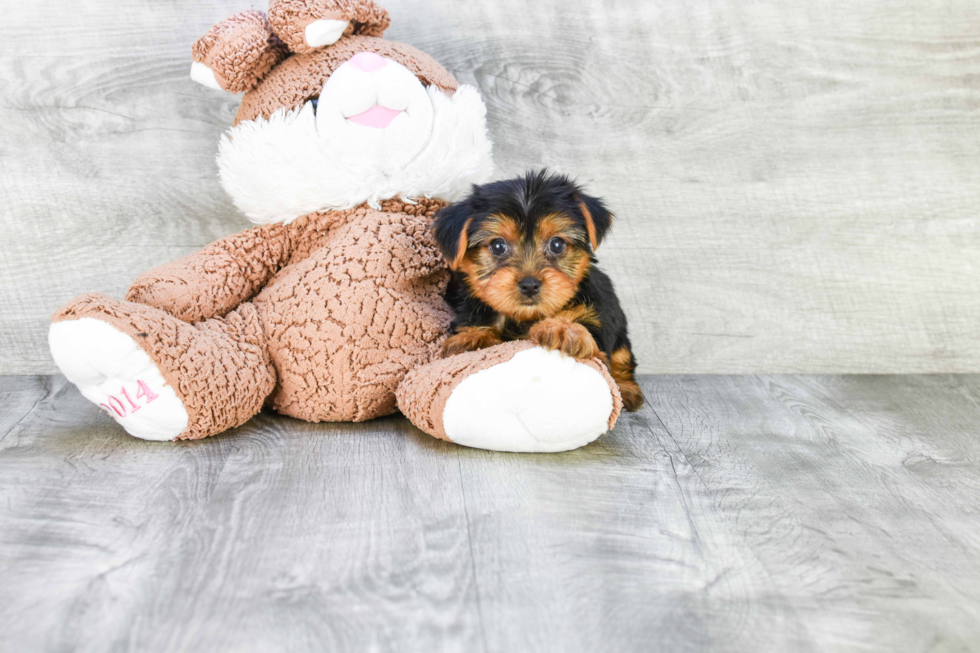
[(451, 230)]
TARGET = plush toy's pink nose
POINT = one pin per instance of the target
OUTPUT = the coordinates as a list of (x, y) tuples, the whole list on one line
[(368, 62)]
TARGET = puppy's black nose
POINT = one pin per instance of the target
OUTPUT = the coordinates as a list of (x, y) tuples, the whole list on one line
[(529, 286)]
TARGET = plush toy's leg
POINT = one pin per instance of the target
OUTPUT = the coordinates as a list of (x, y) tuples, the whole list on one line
[(512, 397), (161, 378)]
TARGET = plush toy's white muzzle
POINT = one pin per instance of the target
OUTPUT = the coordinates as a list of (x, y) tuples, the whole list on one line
[(374, 110)]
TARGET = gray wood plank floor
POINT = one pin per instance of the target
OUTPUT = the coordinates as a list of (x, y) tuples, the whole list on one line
[(745, 513)]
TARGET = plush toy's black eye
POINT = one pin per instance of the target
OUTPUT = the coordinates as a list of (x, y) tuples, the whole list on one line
[(556, 246), (498, 247)]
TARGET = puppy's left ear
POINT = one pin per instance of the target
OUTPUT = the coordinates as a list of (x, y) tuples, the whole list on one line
[(451, 229), (597, 218)]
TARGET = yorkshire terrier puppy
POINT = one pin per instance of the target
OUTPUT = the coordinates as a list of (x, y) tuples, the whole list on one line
[(522, 255)]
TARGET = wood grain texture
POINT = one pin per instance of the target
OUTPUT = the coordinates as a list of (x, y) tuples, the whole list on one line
[(282, 536), (856, 494), (746, 513), (796, 183)]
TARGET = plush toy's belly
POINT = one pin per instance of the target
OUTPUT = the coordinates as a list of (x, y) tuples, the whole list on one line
[(348, 322)]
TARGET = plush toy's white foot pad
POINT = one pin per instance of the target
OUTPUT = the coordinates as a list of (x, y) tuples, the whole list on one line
[(538, 401), (111, 370), (324, 32)]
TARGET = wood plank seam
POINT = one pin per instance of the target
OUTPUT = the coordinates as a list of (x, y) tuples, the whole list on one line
[(26, 415), (469, 541)]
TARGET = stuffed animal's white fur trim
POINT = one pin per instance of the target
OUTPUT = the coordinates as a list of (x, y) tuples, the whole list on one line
[(279, 169)]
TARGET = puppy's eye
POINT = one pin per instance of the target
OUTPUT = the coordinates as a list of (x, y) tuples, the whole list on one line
[(498, 247), (556, 246)]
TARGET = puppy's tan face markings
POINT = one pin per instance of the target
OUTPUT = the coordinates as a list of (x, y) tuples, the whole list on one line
[(549, 263)]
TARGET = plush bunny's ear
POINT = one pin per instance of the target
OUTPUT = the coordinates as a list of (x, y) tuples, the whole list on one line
[(305, 25), (237, 53), (451, 230)]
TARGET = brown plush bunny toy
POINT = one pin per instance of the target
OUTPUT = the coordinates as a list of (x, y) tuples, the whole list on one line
[(344, 147)]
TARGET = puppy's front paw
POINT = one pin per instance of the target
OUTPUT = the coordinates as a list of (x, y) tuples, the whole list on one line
[(470, 339), (564, 335)]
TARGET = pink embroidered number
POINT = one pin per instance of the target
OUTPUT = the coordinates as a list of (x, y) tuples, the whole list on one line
[(144, 396)]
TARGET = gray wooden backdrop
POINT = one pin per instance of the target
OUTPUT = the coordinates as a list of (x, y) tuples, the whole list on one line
[(797, 182)]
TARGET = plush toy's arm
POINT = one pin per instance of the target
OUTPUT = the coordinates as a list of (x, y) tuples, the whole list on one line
[(305, 25), (216, 279), (512, 397), (237, 53)]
